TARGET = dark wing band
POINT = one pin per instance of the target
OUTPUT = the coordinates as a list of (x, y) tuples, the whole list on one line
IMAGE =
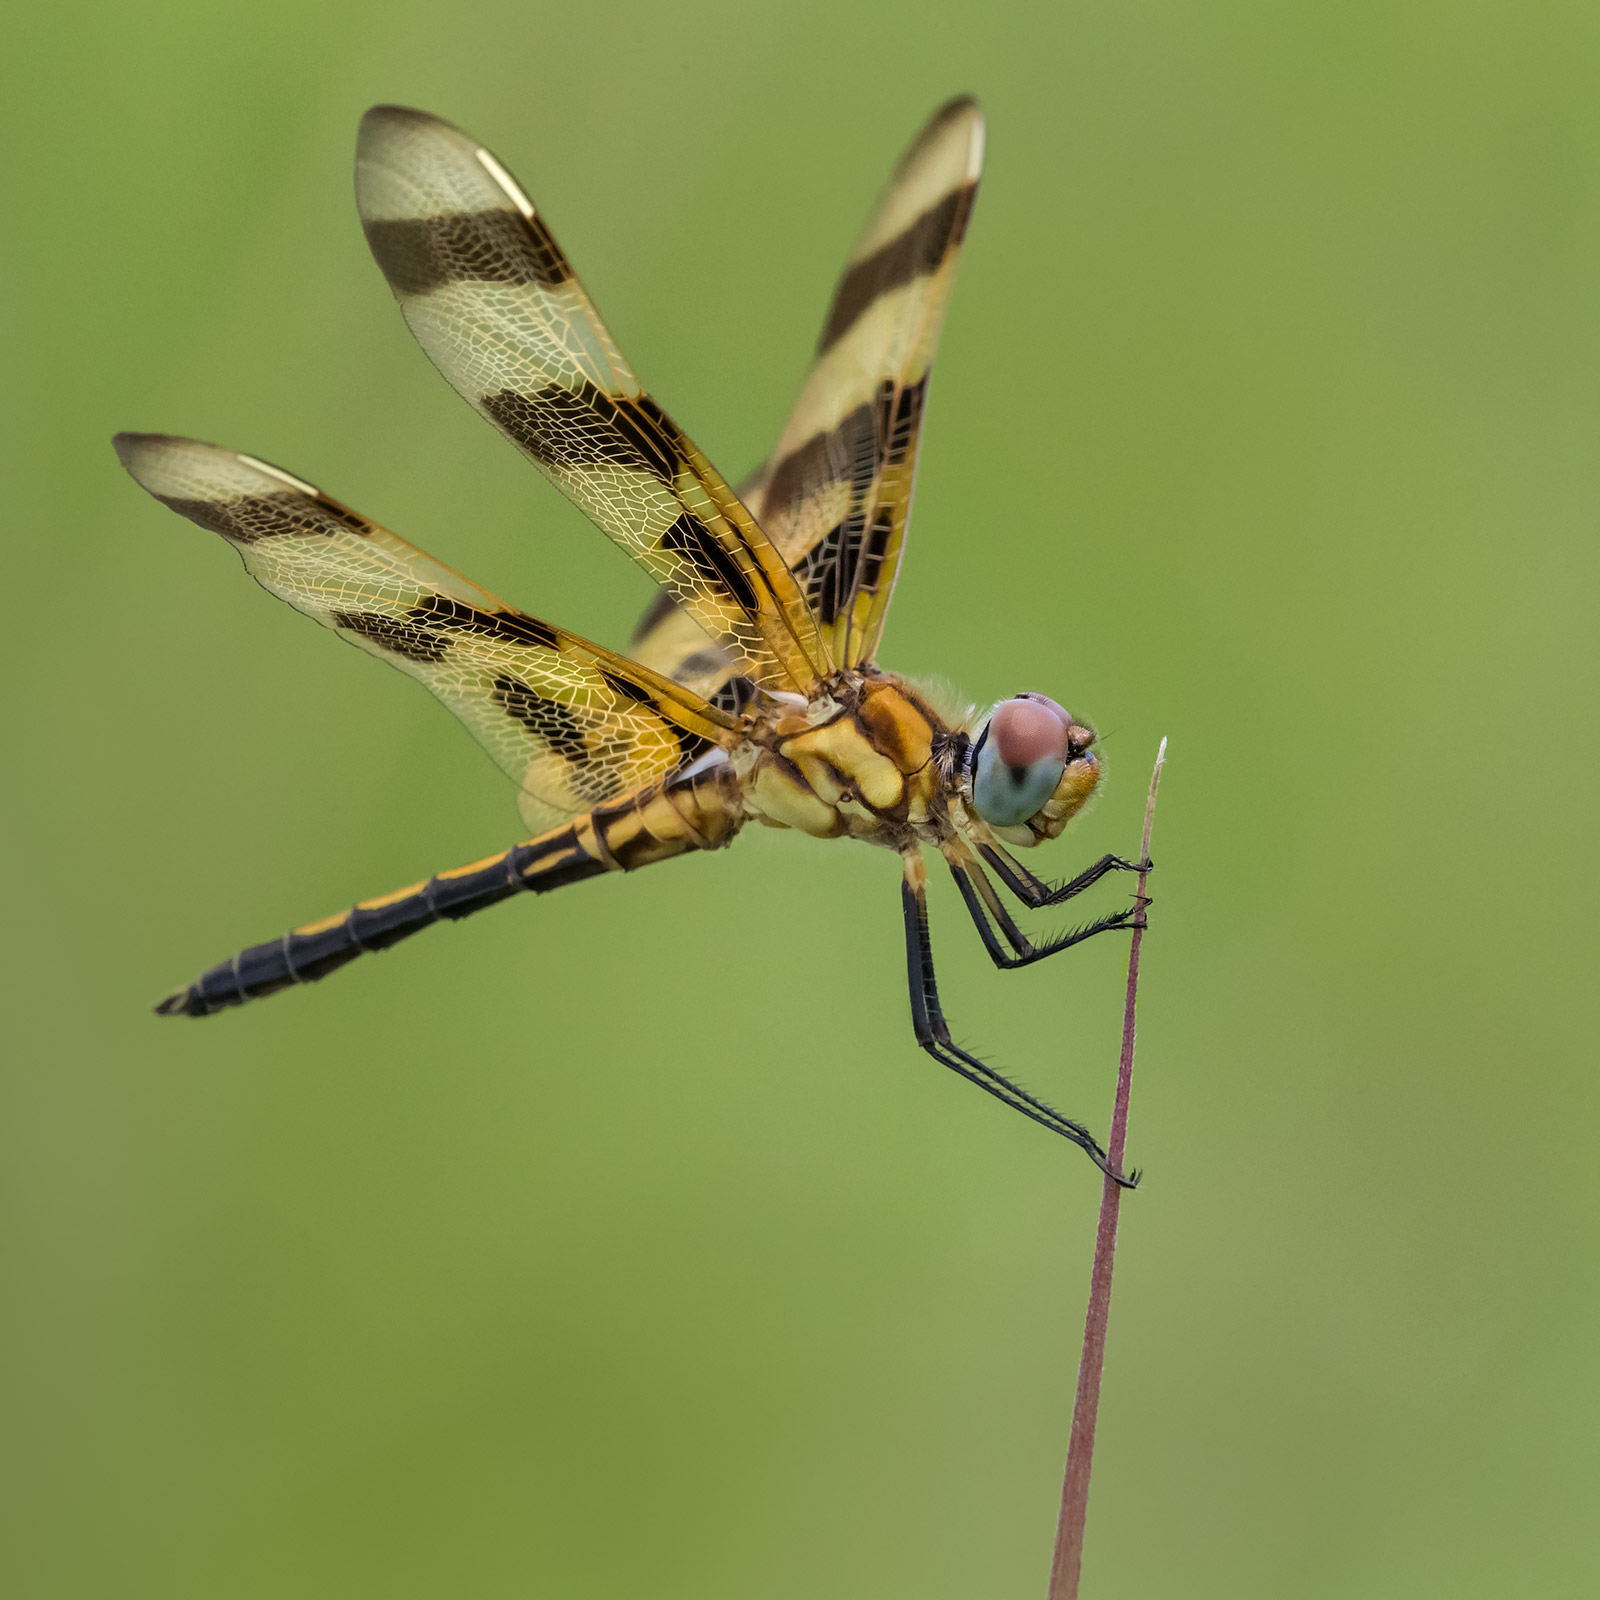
[(571, 723), (494, 302), (835, 495)]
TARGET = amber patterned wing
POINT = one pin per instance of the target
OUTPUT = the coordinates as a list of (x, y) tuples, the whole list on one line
[(572, 724), (835, 494), (493, 300)]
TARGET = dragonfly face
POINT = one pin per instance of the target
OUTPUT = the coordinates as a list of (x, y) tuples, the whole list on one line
[(751, 690), (1031, 769)]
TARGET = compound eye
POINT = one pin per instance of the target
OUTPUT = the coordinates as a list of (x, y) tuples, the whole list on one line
[(1020, 759), (1028, 729), (1079, 738), (1035, 698)]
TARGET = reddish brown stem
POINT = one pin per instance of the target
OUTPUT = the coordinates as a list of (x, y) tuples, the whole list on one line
[(1068, 1562)]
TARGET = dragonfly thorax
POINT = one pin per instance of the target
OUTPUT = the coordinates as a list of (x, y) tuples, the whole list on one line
[(865, 756)]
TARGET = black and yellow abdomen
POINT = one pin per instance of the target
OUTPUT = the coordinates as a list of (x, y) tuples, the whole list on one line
[(655, 824)]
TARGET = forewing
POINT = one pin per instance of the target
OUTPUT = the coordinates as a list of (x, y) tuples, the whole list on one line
[(493, 300), (835, 495), (668, 639), (570, 723)]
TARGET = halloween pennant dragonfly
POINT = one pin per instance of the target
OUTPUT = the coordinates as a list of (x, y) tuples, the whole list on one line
[(751, 692)]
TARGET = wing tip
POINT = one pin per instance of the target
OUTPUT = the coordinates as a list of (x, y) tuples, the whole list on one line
[(383, 124), (141, 453), (134, 447), (148, 457), (169, 465), (398, 147), (387, 115), (959, 110)]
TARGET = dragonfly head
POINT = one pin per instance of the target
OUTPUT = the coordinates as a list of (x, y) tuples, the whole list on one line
[(1031, 768)]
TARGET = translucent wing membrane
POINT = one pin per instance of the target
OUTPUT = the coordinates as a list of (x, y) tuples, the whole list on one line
[(835, 495), (492, 299), (572, 724)]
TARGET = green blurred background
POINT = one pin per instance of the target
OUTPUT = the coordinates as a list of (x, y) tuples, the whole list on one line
[(624, 1244)]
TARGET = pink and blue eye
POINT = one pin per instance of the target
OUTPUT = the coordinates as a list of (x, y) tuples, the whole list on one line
[(1019, 759)]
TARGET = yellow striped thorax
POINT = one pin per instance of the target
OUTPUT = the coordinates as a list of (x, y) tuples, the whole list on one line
[(864, 756)]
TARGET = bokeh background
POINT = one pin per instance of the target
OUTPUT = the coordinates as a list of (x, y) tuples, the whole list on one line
[(623, 1244)]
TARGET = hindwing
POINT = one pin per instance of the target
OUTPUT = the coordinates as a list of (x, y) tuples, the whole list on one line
[(571, 723), (493, 300)]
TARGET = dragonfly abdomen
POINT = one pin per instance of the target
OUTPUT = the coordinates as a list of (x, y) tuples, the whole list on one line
[(652, 824), (305, 954)]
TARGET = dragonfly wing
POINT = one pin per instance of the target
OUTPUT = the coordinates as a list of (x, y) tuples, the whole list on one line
[(835, 494), (668, 639), (572, 724), (494, 302)]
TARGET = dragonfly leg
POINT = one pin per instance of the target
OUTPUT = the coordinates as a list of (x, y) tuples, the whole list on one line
[(933, 1032), (988, 911), (1035, 892)]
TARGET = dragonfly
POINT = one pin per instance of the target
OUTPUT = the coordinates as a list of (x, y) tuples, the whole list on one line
[(751, 690)]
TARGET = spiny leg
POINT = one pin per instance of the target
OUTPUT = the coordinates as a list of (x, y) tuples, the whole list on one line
[(983, 904), (933, 1033), (1035, 892)]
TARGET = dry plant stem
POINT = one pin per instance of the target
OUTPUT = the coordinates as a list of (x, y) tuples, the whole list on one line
[(1068, 1562)]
